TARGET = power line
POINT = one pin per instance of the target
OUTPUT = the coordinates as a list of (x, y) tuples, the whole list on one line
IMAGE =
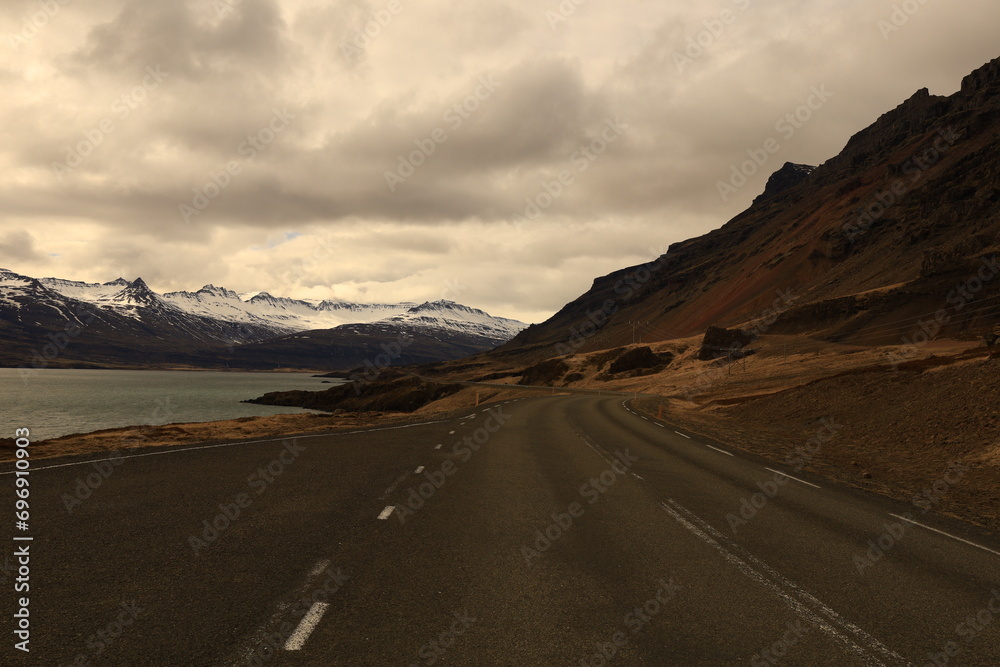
[(915, 318)]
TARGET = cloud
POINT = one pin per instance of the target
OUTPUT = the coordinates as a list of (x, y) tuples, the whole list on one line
[(17, 247), (78, 82), (187, 40)]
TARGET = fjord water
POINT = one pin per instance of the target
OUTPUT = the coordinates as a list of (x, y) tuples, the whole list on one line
[(58, 402)]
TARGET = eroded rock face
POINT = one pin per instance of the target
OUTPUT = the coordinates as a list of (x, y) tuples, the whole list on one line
[(719, 342), (640, 358)]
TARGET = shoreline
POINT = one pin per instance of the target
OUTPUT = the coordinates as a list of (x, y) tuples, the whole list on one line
[(210, 432), (247, 428), (191, 369)]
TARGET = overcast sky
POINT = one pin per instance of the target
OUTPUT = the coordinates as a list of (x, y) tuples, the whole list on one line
[(117, 115)]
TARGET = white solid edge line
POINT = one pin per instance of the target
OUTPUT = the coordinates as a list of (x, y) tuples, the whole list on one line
[(419, 470), (306, 626), (805, 605), (682, 435), (720, 450), (387, 512), (785, 474), (181, 448), (954, 537)]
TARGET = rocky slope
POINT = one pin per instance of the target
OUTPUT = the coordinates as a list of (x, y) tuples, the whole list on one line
[(904, 222)]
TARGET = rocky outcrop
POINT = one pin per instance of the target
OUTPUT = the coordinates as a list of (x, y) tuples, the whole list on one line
[(719, 342), (640, 358), (787, 177)]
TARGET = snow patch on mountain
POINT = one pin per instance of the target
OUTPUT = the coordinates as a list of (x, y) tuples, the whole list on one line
[(262, 310), (451, 316)]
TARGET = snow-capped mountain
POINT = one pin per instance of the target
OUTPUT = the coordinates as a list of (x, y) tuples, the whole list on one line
[(451, 316), (281, 314), (126, 322)]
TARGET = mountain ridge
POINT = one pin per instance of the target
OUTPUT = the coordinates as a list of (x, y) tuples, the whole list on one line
[(885, 229), (127, 323)]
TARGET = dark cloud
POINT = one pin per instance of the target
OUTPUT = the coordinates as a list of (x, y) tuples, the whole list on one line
[(352, 112), (185, 41)]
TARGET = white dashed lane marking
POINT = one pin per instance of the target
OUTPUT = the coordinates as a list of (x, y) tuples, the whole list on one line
[(720, 450), (682, 435), (419, 470), (387, 512), (306, 626), (785, 474)]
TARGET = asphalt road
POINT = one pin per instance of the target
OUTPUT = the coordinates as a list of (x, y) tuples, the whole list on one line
[(544, 531)]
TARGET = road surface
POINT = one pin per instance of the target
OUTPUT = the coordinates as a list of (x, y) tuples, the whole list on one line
[(544, 531)]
